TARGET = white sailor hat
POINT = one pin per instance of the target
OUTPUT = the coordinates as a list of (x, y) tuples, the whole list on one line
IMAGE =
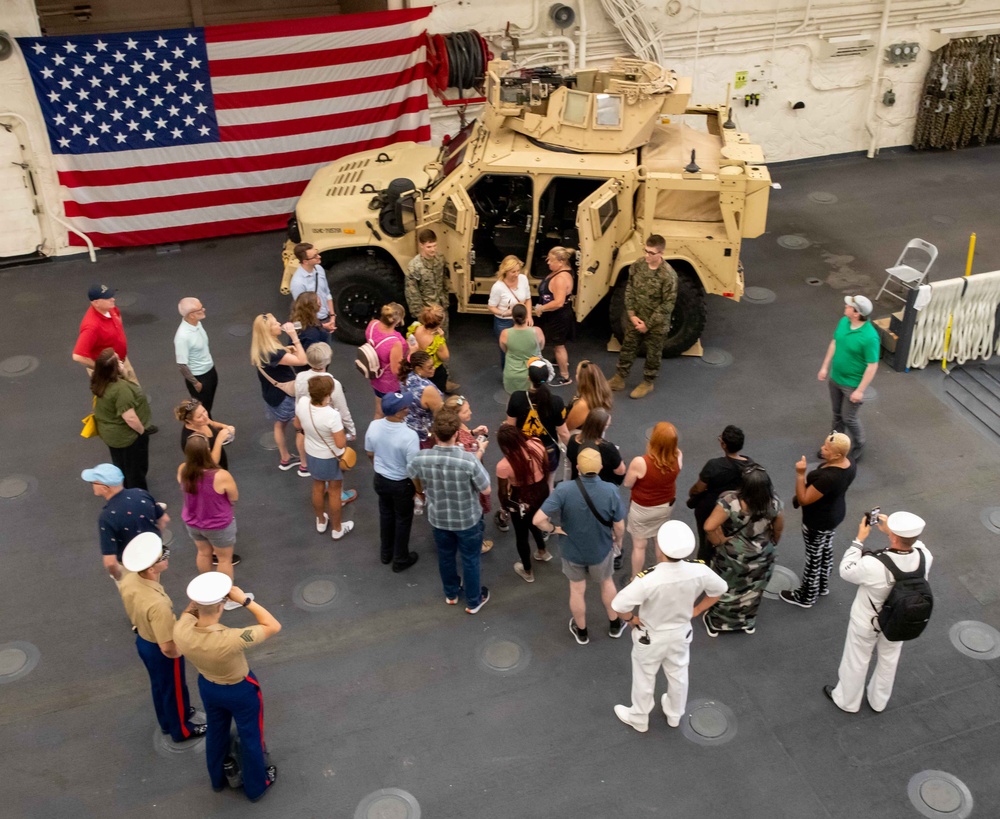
[(905, 524), (209, 588), (143, 551), (675, 539)]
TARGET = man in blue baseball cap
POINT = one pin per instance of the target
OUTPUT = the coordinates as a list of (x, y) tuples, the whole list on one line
[(126, 513), (390, 444)]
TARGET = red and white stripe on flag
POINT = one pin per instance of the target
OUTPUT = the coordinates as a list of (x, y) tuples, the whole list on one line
[(289, 97)]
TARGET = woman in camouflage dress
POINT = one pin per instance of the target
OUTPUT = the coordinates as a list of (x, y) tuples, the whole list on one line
[(744, 530)]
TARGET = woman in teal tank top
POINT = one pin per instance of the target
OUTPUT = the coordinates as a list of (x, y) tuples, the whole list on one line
[(520, 343)]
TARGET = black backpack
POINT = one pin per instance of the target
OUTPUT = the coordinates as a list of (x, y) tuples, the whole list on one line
[(907, 609)]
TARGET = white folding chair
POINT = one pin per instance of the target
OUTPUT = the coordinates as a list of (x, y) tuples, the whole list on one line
[(911, 267)]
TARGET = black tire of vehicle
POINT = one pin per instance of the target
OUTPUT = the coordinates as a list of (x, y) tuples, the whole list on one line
[(686, 324), (359, 287)]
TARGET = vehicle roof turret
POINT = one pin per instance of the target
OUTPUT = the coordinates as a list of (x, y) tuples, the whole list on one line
[(611, 110)]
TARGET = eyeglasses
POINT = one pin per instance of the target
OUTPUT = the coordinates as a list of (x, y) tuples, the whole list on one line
[(315, 258), (754, 468), (458, 400), (191, 404), (164, 555), (654, 252)]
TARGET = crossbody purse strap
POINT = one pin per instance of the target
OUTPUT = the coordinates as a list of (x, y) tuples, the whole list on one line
[(320, 434), (590, 504)]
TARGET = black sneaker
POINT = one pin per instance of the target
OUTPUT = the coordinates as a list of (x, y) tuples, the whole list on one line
[(502, 521), (560, 381), (579, 634), (402, 567), (789, 597), (236, 560), (616, 628), (271, 772), (194, 732)]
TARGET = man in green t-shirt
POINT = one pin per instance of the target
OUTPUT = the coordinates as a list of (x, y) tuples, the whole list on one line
[(851, 362)]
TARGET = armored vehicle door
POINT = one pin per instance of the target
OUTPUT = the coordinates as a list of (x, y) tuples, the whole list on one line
[(453, 222), (604, 222)]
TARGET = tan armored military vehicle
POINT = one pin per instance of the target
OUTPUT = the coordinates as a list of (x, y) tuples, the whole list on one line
[(596, 161)]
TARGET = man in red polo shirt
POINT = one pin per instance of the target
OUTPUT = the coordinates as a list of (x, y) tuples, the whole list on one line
[(101, 328)]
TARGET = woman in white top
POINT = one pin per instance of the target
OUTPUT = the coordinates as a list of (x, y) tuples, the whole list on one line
[(319, 355), (510, 288), (325, 442)]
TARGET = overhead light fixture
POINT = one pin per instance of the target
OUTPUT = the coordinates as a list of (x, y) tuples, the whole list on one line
[(845, 45), (848, 38), (942, 36)]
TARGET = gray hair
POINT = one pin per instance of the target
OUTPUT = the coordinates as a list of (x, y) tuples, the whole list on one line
[(186, 306), (319, 355)]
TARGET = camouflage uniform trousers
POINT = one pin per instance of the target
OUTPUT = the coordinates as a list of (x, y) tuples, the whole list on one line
[(655, 336)]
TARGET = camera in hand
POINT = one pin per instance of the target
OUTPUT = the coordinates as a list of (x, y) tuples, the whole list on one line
[(873, 516)]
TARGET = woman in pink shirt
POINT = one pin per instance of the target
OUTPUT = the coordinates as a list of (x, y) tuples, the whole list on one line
[(390, 347), (209, 495)]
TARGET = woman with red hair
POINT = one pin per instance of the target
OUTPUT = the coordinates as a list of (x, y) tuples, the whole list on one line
[(653, 480)]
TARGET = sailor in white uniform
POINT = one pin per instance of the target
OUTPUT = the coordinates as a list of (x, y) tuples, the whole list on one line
[(668, 598), (874, 584)]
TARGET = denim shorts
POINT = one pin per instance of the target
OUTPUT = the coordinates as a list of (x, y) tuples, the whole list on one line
[(218, 538), (284, 412), (324, 469)]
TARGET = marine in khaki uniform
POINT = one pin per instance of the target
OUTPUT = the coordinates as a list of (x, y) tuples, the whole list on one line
[(229, 690), (650, 295), (668, 595), (426, 282), (152, 615)]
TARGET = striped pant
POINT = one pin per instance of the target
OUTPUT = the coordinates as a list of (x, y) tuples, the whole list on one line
[(819, 564)]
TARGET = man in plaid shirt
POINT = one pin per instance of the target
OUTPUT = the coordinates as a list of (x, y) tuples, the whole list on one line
[(452, 479)]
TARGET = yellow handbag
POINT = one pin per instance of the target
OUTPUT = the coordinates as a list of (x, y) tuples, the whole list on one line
[(89, 424)]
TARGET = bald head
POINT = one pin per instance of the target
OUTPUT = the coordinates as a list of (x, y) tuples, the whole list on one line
[(188, 307)]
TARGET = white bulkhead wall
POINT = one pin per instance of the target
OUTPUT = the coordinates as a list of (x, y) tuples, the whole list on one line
[(779, 43)]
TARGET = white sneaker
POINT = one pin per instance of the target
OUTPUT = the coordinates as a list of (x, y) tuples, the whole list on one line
[(321, 527), (345, 527), (621, 711), (673, 722)]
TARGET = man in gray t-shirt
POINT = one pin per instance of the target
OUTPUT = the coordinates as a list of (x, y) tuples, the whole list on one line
[(590, 535)]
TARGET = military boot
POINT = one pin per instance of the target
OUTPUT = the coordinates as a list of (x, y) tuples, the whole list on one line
[(644, 389), (617, 382)]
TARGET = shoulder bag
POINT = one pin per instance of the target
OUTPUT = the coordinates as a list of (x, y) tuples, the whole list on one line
[(347, 457), (367, 360), (287, 387), (89, 424)]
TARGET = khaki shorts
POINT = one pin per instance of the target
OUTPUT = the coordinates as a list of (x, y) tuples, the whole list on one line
[(599, 572), (645, 521)]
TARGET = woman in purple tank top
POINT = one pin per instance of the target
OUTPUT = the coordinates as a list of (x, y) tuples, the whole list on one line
[(209, 495)]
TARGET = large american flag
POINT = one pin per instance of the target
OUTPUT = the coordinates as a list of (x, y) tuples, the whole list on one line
[(164, 136)]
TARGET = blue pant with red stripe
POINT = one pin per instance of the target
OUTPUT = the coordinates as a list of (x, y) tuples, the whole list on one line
[(243, 702), (170, 691)]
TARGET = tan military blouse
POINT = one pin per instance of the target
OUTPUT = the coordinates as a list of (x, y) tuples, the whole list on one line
[(148, 607), (217, 651)]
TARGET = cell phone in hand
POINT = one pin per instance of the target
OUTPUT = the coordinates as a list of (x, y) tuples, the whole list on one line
[(873, 516)]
